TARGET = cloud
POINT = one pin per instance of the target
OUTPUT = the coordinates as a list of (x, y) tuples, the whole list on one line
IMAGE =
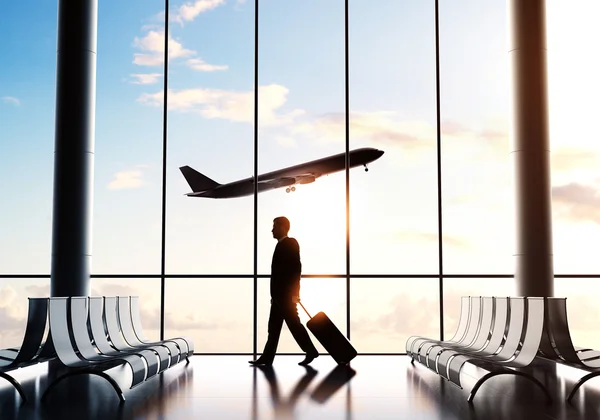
[(189, 11), (567, 159), (405, 316), (578, 201), (145, 78), (126, 180), (11, 100), (201, 65), (38, 291), (12, 317), (391, 129), (382, 127), (7, 296), (192, 321), (235, 106), (11, 325), (153, 45)]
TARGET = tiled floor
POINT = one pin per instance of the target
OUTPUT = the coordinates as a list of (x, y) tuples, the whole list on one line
[(376, 387)]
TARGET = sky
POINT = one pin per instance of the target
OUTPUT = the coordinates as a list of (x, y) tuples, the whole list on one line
[(301, 117)]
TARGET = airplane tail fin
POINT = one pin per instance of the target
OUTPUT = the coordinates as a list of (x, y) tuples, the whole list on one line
[(196, 180)]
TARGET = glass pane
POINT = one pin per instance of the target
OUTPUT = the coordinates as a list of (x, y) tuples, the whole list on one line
[(27, 102), (210, 129), (326, 295), (148, 291), (302, 80), (583, 309), (215, 313), (385, 312), (573, 90), (476, 170), (128, 150), (455, 288), (393, 206), (14, 306)]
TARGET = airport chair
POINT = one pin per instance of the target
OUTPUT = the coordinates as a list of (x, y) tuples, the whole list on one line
[(126, 321), (97, 327), (491, 346), (475, 314), (33, 349), (79, 354), (523, 336), (413, 343), (557, 329), (167, 352), (477, 339), (139, 330)]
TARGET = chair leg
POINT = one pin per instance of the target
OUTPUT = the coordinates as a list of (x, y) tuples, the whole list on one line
[(110, 380), (581, 382), (17, 385), (507, 372)]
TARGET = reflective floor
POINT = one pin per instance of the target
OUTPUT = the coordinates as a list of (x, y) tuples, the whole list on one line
[(375, 387)]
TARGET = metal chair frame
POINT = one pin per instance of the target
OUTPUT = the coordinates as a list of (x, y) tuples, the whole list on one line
[(35, 348), (557, 344), (516, 347)]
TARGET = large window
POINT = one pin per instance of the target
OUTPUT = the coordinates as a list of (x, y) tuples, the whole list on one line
[(301, 68), (127, 159), (216, 313), (476, 171), (210, 129), (393, 207), (431, 221), (573, 85), (27, 92)]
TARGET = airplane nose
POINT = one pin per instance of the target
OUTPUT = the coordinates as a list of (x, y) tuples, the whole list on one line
[(377, 154)]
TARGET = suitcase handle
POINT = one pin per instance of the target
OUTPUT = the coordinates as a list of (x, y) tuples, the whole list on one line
[(304, 309)]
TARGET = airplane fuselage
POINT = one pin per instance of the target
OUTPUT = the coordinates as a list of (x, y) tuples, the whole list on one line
[(303, 173)]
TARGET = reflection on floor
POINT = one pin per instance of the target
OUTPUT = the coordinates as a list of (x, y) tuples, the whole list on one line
[(375, 387)]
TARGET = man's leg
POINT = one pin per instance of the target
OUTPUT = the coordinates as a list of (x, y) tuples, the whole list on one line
[(274, 331), (290, 315)]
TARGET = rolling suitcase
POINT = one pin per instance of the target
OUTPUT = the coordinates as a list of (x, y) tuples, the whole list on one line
[(330, 337)]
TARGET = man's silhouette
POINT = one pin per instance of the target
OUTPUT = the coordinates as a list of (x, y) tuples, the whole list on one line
[(285, 294)]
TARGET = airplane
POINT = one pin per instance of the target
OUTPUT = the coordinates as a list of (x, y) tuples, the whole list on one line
[(304, 173)]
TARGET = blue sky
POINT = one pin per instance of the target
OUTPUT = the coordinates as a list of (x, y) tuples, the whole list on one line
[(301, 79)]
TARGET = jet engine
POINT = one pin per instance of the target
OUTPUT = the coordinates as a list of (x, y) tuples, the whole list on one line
[(306, 179)]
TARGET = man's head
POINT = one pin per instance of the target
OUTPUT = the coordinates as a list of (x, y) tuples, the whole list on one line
[(281, 227)]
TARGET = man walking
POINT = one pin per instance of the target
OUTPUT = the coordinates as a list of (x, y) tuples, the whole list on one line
[(285, 294)]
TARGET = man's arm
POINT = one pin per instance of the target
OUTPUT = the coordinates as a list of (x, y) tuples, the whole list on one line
[(293, 259), (294, 267)]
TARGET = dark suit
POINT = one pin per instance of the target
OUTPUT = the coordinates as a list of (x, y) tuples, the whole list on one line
[(285, 285)]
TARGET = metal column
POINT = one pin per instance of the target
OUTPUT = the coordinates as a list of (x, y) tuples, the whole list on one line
[(530, 150), (74, 148)]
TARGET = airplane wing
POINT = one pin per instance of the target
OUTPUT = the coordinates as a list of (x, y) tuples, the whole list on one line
[(286, 181), (306, 172), (277, 182)]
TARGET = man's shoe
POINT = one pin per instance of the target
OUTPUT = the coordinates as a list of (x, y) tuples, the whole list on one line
[(308, 358), (259, 362)]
